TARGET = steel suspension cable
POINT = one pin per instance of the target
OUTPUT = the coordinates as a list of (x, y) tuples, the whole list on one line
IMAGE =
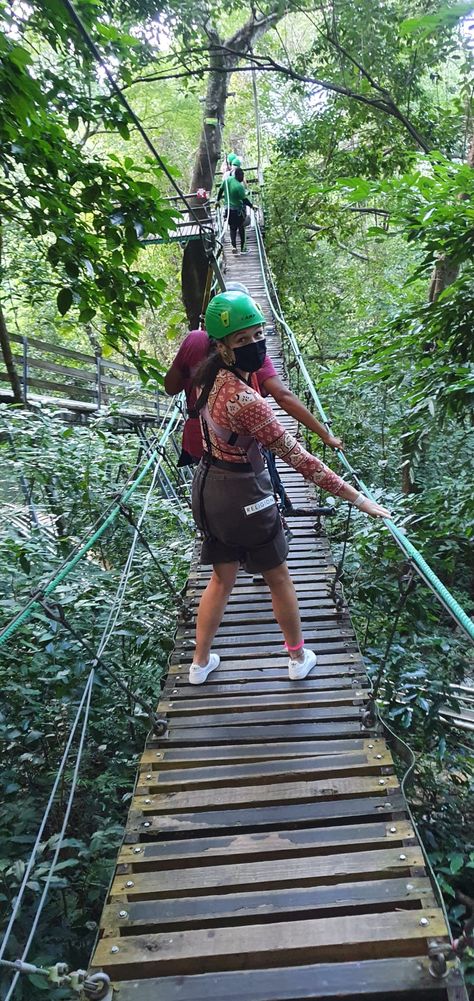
[(257, 125), (85, 699), (87, 38), (424, 570), (47, 589), (105, 637), (62, 832)]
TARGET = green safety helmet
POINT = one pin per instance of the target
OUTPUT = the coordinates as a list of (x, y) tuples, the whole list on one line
[(231, 158), (231, 311), (236, 162)]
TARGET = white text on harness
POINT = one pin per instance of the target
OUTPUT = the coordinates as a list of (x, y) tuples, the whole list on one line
[(259, 506)]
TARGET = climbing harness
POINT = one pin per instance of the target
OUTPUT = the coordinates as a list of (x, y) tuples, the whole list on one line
[(246, 442)]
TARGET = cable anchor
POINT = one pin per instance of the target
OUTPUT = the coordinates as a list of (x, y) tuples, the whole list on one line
[(97, 987)]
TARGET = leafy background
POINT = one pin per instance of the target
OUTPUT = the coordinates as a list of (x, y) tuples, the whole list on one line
[(367, 128)]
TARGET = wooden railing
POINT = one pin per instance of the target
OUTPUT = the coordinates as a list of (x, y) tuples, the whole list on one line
[(50, 370)]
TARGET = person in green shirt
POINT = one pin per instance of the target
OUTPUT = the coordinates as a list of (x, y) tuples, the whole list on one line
[(235, 193)]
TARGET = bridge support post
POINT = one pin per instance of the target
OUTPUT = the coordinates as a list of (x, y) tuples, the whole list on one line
[(98, 363), (24, 342)]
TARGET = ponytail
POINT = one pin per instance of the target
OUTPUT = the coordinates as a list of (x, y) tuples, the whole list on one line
[(205, 375)]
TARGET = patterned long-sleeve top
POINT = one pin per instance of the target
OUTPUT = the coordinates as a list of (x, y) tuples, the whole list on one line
[(240, 408)]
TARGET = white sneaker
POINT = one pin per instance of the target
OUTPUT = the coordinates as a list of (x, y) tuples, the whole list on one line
[(300, 668), (234, 250), (198, 675)]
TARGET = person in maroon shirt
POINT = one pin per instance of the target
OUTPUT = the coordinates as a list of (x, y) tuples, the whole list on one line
[(179, 377)]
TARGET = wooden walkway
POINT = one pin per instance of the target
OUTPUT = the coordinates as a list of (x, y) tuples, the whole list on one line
[(268, 855)]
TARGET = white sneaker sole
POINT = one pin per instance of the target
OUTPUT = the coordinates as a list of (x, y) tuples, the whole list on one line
[(198, 675), (297, 670)]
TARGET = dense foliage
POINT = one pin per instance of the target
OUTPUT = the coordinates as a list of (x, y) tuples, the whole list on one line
[(56, 481), (367, 127), (371, 245)]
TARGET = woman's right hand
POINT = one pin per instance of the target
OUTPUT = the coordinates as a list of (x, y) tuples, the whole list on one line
[(374, 510)]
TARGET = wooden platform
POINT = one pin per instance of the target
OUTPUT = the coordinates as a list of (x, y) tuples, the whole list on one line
[(268, 855)]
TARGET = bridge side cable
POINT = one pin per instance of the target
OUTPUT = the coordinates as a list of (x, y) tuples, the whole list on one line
[(441, 592)]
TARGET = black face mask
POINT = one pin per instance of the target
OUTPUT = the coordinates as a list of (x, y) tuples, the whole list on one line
[(251, 356)]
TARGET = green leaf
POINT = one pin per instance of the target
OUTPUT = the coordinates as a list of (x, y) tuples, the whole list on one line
[(456, 863), (428, 24), (123, 130), (41, 983), (64, 300), (20, 56), (87, 314)]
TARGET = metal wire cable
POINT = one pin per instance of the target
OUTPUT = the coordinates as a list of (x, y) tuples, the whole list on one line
[(403, 781), (87, 38), (423, 569), (53, 582), (84, 703), (105, 637), (257, 125), (124, 577), (82, 542)]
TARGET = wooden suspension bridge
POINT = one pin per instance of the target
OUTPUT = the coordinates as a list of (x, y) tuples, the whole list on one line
[(268, 853)]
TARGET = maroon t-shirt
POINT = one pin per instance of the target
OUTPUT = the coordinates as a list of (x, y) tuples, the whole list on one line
[(191, 353)]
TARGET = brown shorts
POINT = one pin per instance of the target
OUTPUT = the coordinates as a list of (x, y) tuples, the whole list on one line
[(239, 518)]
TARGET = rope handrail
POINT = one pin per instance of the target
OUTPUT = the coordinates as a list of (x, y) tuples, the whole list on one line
[(33, 605), (442, 593)]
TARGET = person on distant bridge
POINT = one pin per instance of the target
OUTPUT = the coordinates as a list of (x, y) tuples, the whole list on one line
[(236, 198), (232, 498), (228, 165), (180, 376)]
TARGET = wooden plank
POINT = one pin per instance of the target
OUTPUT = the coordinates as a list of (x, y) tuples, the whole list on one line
[(106, 363), (49, 366), (406, 979), (331, 939), (292, 871), (56, 349), (326, 789), (261, 772), (272, 816), (257, 654), (270, 716), (56, 387), (169, 756), (324, 687), (328, 665), (260, 905), (266, 732), (263, 621), (256, 702), (273, 844), (251, 795)]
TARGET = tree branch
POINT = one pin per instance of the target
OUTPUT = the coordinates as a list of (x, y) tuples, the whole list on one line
[(382, 103)]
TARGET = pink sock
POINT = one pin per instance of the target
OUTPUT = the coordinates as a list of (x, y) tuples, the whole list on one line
[(294, 649)]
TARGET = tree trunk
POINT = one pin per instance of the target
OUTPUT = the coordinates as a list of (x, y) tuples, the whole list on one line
[(195, 263), (6, 348), (12, 373)]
